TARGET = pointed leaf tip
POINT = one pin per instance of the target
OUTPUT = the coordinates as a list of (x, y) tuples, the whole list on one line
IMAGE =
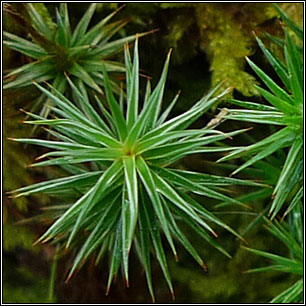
[(69, 277), (36, 242), (214, 233), (119, 8), (169, 53), (204, 267), (173, 295), (127, 283), (23, 111)]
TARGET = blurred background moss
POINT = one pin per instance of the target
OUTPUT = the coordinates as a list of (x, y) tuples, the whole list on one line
[(210, 42)]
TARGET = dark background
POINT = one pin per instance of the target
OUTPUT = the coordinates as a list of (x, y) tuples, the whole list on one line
[(209, 41)]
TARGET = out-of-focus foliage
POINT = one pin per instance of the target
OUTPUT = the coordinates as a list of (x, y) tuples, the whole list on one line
[(54, 49), (223, 31), (15, 157), (22, 285), (195, 51), (286, 110), (16, 236), (290, 264), (223, 283)]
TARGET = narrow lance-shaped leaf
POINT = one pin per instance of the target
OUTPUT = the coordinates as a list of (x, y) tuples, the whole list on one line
[(97, 29), (82, 25), (291, 294), (181, 237), (167, 111), (56, 184), (156, 239), (115, 108), (276, 64), (132, 192), (147, 115), (116, 256), (90, 244), (174, 197), (147, 179), (126, 218), (106, 179), (133, 90), (295, 67), (293, 26), (145, 246), (278, 91)]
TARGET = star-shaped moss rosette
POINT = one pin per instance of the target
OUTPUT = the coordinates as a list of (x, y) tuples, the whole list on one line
[(286, 112), (129, 195), (56, 49)]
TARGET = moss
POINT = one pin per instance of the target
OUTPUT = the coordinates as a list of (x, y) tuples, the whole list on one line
[(17, 236), (225, 280), (199, 33), (22, 285), (15, 158)]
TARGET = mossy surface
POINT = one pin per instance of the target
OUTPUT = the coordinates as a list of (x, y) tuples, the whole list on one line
[(210, 42)]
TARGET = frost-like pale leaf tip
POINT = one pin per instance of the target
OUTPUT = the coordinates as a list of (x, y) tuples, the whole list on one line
[(23, 111), (40, 157), (169, 53), (66, 75), (69, 277), (233, 173), (11, 138), (214, 233), (220, 159), (173, 295), (37, 241), (107, 290), (44, 240), (67, 244), (127, 283)]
